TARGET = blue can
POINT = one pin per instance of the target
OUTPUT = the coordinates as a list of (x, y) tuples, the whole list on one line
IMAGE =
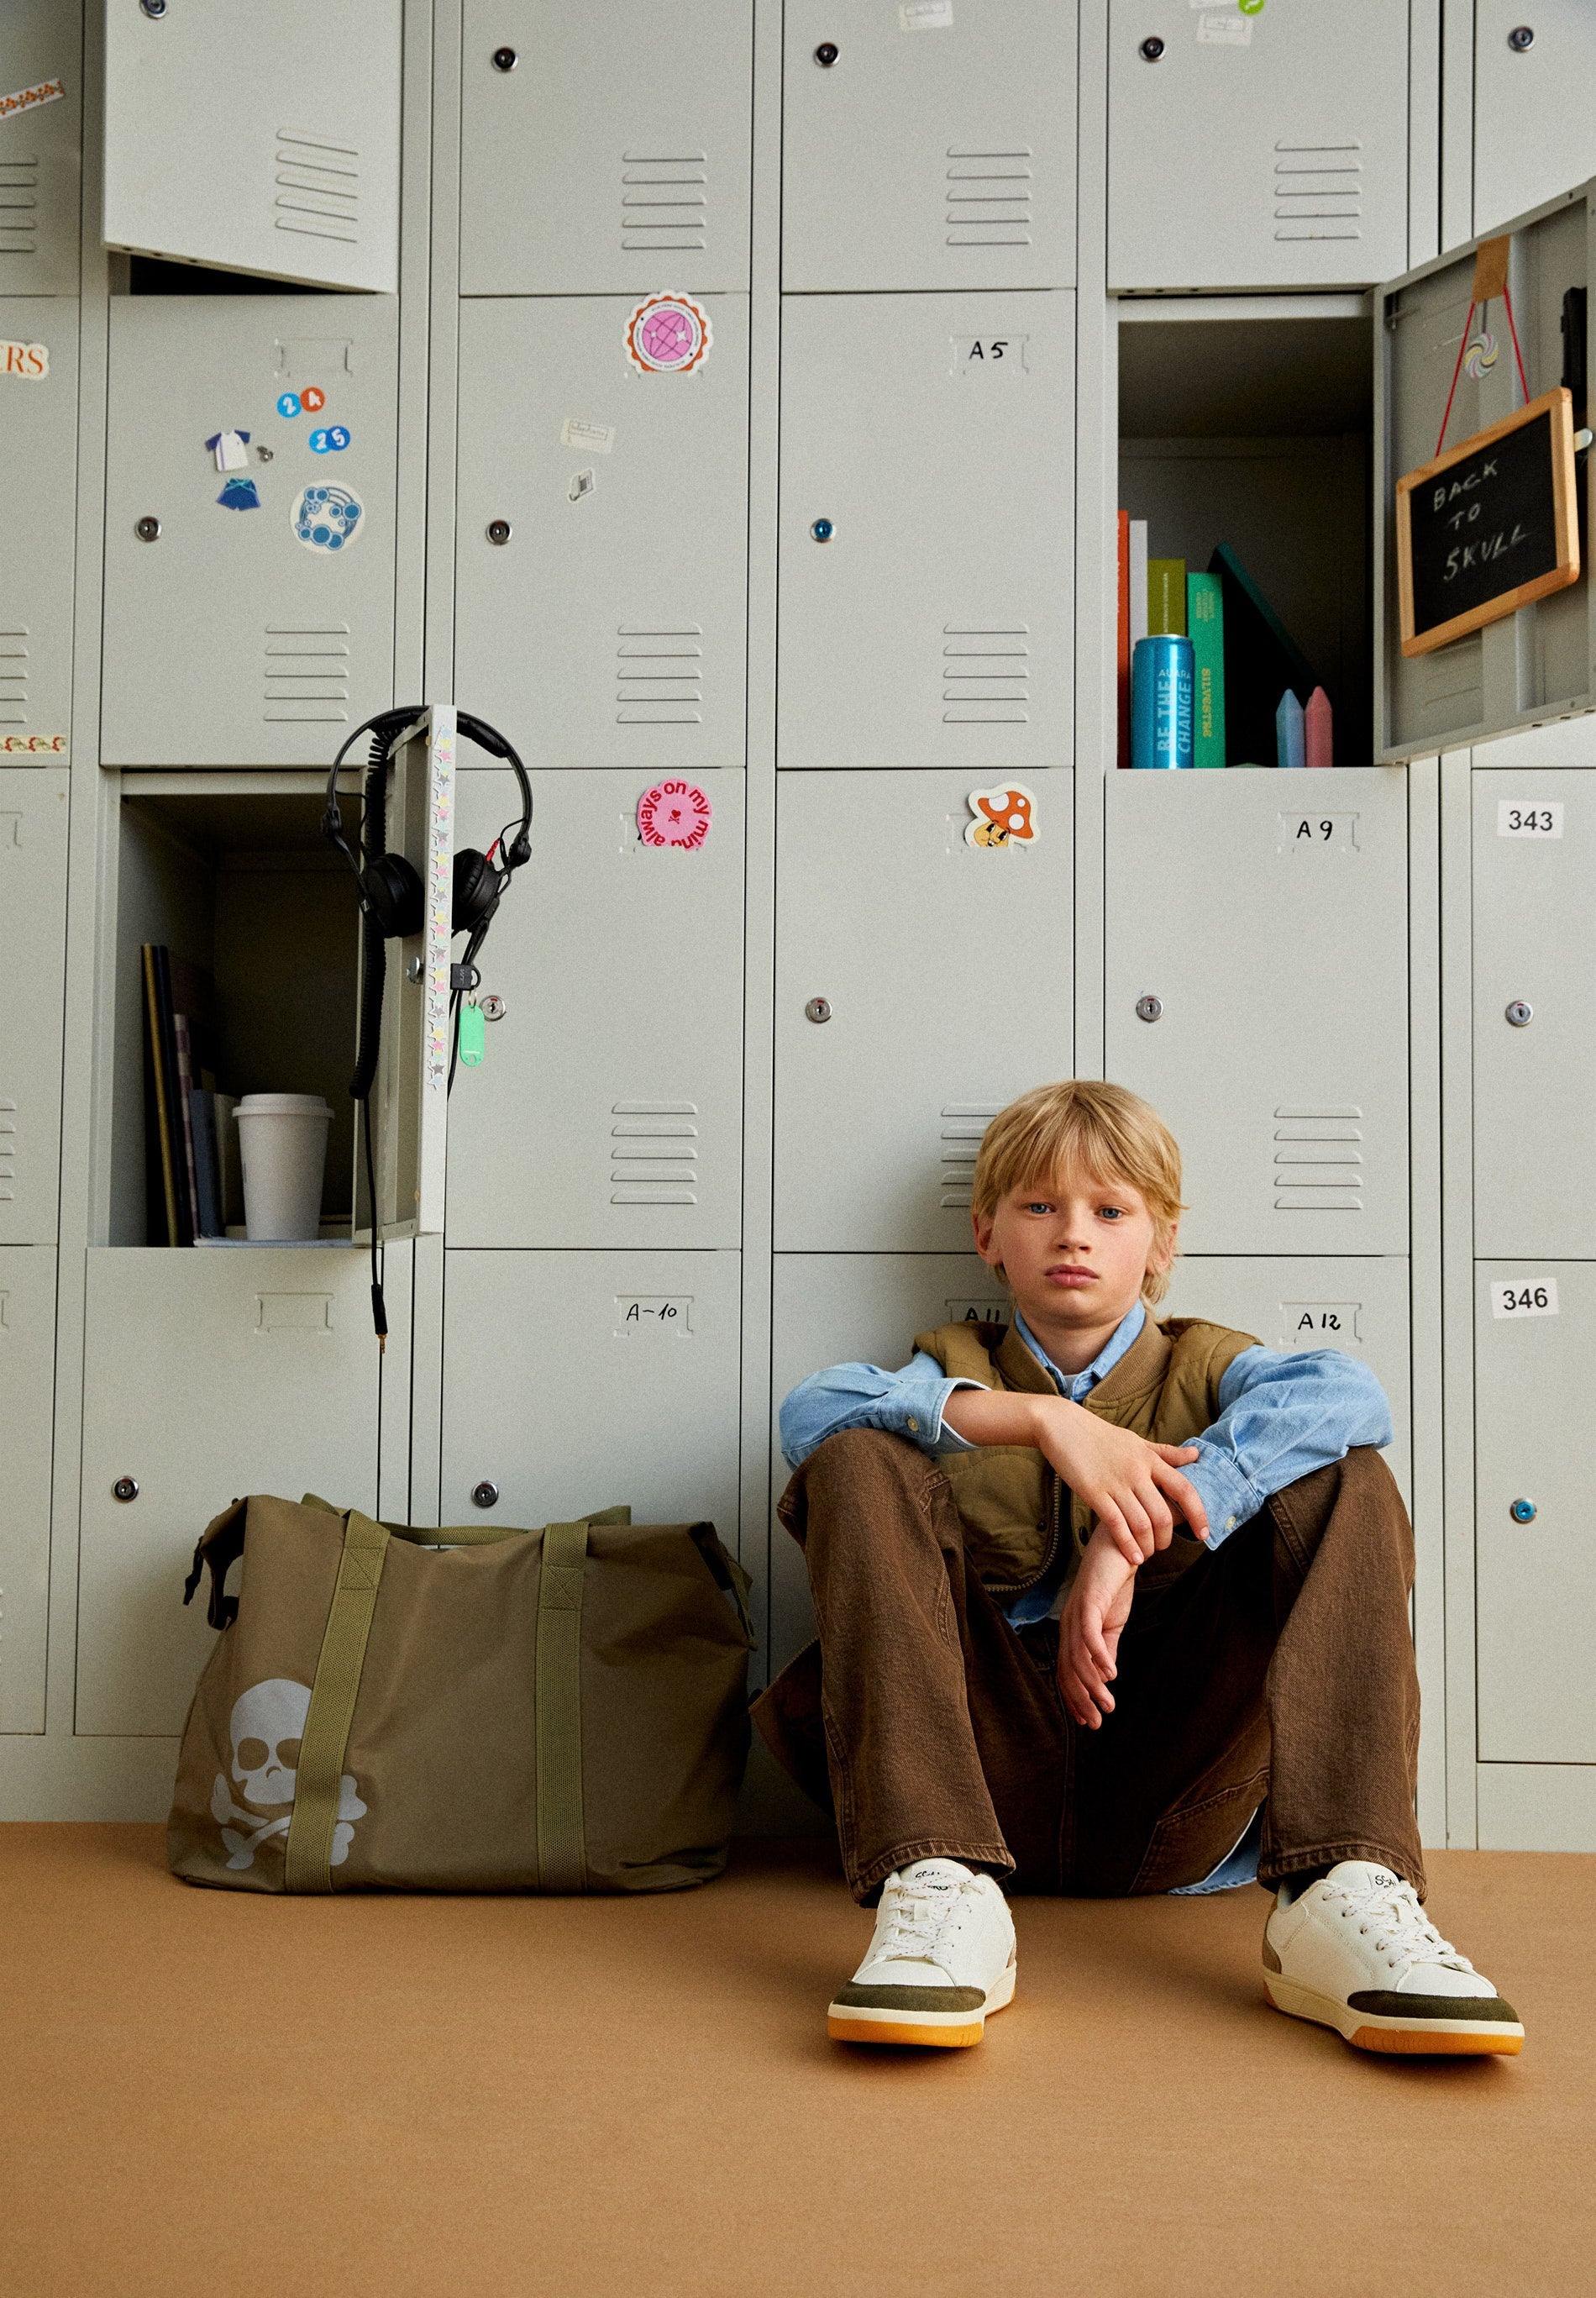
[(1162, 675)]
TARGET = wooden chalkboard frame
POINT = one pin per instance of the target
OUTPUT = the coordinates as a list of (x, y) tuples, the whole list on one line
[(1560, 405)]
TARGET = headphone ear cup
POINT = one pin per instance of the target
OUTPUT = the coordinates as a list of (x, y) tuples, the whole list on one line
[(476, 889), (394, 897)]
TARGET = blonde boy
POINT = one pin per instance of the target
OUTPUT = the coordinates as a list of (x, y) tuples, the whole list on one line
[(1108, 1606)]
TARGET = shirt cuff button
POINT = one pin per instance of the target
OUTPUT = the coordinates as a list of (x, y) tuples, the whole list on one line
[(913, 1424), (1229, 1523)]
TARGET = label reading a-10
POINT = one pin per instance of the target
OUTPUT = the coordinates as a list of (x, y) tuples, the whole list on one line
[(1515, 819)]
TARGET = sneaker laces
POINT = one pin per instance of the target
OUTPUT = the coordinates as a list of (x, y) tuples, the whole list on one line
[(918, 1918), (1397, 1923)]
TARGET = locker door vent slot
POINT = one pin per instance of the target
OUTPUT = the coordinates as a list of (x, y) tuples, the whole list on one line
[(8, 1152), (658, 681), (1318, 1164), (664, 202), (307, 672), (988, 198), (652, 1161), (19, 208), (1318, 191), (318, 188), (13, 677), (986, 681), (963, 1125)]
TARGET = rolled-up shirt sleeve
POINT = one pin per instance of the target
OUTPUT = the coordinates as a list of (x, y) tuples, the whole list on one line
[(1281, 1416), (908, 1403)]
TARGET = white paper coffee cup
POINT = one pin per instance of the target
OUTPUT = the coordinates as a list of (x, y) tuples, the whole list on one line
[(283, 1149)]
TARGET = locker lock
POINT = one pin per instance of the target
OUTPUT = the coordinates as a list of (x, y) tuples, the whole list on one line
[(148, 529), (485, 1495), (493, 1007), (826, 55), (822, 530), (819, 1009), (499, 530), (1520, 37), (1149, 1009), (1520, 1014), (1151, 50), (126, 1488), (153, 7), (1523, 1511), (504, 59)]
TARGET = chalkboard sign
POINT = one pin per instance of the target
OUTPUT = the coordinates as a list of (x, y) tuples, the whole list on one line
[(1488, 527)]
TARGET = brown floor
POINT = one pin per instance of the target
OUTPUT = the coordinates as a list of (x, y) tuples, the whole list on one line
[(204, 2092)]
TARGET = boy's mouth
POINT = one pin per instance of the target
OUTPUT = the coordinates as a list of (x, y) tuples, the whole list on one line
[(1069, 1273)]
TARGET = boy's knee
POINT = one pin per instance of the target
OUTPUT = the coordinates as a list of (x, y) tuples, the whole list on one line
[(1358, 1494), (859, 1472)]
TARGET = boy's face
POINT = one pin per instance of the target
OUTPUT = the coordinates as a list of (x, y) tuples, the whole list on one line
[(1075, 1253)]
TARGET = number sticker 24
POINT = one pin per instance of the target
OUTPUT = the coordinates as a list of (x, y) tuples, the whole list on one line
[(1525, 1297)]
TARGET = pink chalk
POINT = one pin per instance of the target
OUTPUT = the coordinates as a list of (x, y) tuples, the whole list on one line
[(1318, 731)]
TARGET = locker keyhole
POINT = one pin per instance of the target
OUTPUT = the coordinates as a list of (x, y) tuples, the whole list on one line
[(485, 1494), (1520, 37), (1150, 50), (505, 60), (826, 55)]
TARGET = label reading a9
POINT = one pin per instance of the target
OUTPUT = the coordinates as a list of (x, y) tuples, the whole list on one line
[(1527, 1296), (1515, 819)]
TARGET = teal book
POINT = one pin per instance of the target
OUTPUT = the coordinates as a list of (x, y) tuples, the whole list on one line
[(1262, 659), (1206, 628)]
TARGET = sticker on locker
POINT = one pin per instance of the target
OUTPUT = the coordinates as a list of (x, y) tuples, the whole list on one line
[(1536, 818), (1525, 1297)]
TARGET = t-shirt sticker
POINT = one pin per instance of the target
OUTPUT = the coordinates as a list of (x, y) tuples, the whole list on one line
[(327, 519), (1004, 815), (28, 362), (668, 334), (229, 448), (674, 814)]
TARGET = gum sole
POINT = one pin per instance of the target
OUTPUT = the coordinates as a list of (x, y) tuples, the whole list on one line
[(1477, 2043), (1468, 2038), (881, 2030)]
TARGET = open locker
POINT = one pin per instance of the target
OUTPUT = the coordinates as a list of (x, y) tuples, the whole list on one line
[(33, 917)]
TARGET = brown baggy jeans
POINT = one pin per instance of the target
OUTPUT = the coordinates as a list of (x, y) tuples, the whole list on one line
[(1277, 1668)]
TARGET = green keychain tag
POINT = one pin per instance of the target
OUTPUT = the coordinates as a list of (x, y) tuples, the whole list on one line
[(473, 1035)]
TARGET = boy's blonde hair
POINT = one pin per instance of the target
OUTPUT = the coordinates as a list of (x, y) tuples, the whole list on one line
[(1082, 1127)]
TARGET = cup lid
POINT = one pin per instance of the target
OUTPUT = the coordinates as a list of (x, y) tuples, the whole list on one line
[(283, 1104)]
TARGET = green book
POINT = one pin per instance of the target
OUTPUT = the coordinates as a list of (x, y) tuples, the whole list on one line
[(1262, 659), (1166, 596), (1205, 627)]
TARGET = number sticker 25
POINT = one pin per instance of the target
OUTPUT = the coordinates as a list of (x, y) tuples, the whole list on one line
[(1525, 1297)]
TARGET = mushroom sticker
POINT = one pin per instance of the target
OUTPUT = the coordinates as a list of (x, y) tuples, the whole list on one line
[(1005, 816)]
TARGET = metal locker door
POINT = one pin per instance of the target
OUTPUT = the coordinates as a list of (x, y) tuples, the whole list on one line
[(1359, 1305), (601, 575), (579, 1380), (33, 922), (942, 159), (1533, 131), (209, 1373), (277, 154), (1257, 996), (1534, 1011), (890, 1059), (1265, 150), (604, 149), (1535, 1551), (27, 1384), (852, 1308), (38, 456), (41, 112), (927, 510), (607, 1109), (410, 1103), (248, 614)]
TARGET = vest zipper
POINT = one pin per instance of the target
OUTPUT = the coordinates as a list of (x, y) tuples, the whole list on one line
[(1010, 1590)]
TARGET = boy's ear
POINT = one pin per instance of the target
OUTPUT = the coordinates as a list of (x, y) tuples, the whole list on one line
[(981, 1228), (1161, 1252)]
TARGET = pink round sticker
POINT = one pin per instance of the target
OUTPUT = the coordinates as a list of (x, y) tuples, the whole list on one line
[(673, 813), (668, 334)]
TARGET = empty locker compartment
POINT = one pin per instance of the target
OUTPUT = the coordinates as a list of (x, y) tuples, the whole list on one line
[(577, 1381), (1533, 131), (927, 509), (1534, 1552), (606, 149), (38, 454), (27, 1384), (607, 1107), (40, 153), (1359, 1305), (250, 535), (1264, 150), (33, 919), (1257, 996), (1534, 1011), (600, 574), (926, 147), (853, 1308), (207, 1375), (899, 1033), (276, 156)]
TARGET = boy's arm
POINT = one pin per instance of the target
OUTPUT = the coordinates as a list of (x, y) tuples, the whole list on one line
[(1280, 1417), (908, 1403)]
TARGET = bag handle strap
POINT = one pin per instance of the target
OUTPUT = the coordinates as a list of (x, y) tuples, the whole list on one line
[(562, 1834), (216, 1550), (727, 1573), (307, 1855)]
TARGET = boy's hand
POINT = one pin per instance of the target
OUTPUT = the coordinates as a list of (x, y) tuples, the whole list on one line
[(1131, 1485), (1095, 1610)]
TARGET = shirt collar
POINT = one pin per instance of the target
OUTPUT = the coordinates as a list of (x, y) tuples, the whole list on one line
[(1076, 1385)]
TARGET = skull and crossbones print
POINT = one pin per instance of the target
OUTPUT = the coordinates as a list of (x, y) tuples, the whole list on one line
[(267, 1726)]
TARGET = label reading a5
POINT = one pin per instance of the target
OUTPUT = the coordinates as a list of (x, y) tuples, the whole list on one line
[(1527, 1296), (1515, 819), (989, 354)]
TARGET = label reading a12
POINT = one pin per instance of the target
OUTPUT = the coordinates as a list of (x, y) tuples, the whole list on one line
[(331, 442)]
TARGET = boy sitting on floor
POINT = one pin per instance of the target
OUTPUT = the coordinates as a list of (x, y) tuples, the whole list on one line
[(1111, 1607)]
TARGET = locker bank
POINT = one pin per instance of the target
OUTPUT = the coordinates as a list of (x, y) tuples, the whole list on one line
[(762, 418)]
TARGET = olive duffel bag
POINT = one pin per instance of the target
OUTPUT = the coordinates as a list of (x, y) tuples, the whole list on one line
[(473, 1709)]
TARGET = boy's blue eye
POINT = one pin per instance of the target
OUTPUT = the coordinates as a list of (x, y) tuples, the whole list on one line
[(1111, 1213), (1039, 1207)]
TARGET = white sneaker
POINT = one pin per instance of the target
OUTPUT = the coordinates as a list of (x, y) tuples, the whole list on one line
[(942, 1956), (1356, 1952)]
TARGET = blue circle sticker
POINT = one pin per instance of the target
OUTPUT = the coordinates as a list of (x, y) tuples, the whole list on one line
[(327, 519), (289, 404), (331, 442), (319, 442)]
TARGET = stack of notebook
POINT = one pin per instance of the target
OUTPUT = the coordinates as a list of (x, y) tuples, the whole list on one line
[(191, 1145)]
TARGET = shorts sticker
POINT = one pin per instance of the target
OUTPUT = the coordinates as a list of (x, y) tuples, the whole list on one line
[(330, 442), (239, 494), (327, 519), (668, 334), (228, 448), (23, 99), (29, 362), (1005, 816), (592, 438), (674, 814), (582, 484)]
